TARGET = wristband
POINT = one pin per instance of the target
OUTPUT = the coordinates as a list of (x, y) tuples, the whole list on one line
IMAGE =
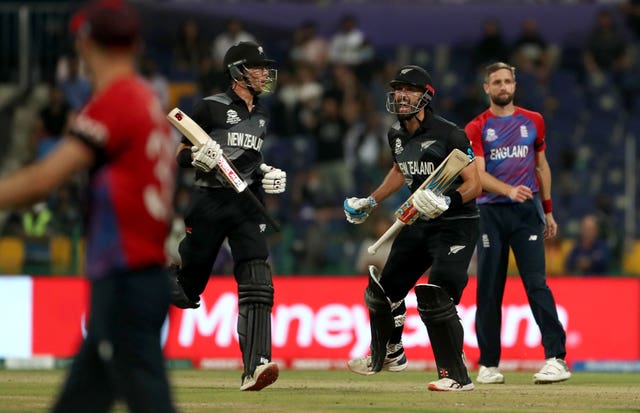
[(455, 199), (547, 206), (184, 158)]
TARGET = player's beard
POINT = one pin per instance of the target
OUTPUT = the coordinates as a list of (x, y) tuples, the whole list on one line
[(502, 100)]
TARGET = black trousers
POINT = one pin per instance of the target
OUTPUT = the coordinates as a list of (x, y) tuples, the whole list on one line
[(519, 226), (212, 216), (121, 356), (445, 246)]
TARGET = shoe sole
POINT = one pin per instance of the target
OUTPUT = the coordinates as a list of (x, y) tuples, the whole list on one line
[(433, 387), (497, 381), (393, 369), (541, 381), (266, 378)]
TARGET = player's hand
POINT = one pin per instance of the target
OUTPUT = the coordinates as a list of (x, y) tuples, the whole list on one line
[(550, 227), (429, 204), (357, 210), (520, 193), (274, 180), (207, 156)]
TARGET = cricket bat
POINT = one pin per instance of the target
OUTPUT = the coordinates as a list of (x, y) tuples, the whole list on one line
[(438, 182), (198, 137)]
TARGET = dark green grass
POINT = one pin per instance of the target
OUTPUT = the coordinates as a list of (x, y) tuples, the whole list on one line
[(200, 391)]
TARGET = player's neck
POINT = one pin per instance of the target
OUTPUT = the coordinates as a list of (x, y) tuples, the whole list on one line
[(245, 95), (110, 69), (502, 111), (413, 123)]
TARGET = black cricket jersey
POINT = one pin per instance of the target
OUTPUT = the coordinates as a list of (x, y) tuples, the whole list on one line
[(418, 155), (240, 134)]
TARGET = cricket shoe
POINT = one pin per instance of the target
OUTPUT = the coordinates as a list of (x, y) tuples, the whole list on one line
[(362, 365), (489, 375), (447, 384), (263, 375), (553, 371), (178, 296)]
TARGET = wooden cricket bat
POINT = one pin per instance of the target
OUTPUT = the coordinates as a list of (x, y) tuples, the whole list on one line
[(439, 181), (198, 137)]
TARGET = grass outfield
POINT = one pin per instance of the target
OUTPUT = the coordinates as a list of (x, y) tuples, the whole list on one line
[(200, 391)]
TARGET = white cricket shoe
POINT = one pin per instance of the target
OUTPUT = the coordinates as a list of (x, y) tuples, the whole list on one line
[(554, 370), (447, 384), (362, 365), (489, 375), (263, 375)]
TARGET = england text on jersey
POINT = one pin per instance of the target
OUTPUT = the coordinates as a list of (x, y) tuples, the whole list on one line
[(517, 151)]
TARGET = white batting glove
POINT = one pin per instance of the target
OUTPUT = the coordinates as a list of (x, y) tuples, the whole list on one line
[(357, 210), (429, 204), (207, 156), (274, 180)]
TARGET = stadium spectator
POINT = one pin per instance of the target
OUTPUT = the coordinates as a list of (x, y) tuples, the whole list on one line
[(309, 48), (346, 44), (233, 34), (189, 48), (590, 254), (52, 122), (75, 87), (157, 81), (531, 51), (491, 46)]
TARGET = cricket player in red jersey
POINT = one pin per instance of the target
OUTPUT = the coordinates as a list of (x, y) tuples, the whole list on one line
[(122, 139), (515, 212)]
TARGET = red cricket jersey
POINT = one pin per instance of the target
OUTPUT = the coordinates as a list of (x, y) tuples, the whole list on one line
[(132, 180)]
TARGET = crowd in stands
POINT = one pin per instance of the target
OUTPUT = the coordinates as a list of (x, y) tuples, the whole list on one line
[(329, 123)]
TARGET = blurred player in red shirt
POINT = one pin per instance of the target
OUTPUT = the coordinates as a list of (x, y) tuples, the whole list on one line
[(122, 139)]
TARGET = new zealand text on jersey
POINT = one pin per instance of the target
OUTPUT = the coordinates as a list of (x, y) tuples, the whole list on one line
[(518, 151), (416, 168), (244, 140)]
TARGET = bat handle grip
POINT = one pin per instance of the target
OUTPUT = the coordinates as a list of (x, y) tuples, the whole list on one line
[(389, 233)]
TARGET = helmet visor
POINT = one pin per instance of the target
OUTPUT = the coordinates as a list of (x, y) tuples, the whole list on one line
[(406, 103)]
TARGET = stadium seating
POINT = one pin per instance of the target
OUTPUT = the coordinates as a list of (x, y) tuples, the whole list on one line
[(12, 254)]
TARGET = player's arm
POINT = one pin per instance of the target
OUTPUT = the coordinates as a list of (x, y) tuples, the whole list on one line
[(471, 187), (32, 183), (543, 173), (357, 210), (492, 184), (204, 157), (390, 185)]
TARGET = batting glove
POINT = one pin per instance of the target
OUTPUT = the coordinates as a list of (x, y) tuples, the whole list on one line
[(429, 204), (274, 180), (357, 210), (207, 156)]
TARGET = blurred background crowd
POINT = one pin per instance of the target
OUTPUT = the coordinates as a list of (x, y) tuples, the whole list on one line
[(577, 63)]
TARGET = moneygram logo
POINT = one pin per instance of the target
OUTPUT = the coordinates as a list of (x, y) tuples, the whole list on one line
[(344, 326)]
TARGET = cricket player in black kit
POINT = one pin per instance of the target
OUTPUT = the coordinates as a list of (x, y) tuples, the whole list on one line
[(236, 123), (442, 239)]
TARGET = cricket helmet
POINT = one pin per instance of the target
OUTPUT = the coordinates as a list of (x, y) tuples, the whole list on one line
[(246, 55), (415, 76)]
